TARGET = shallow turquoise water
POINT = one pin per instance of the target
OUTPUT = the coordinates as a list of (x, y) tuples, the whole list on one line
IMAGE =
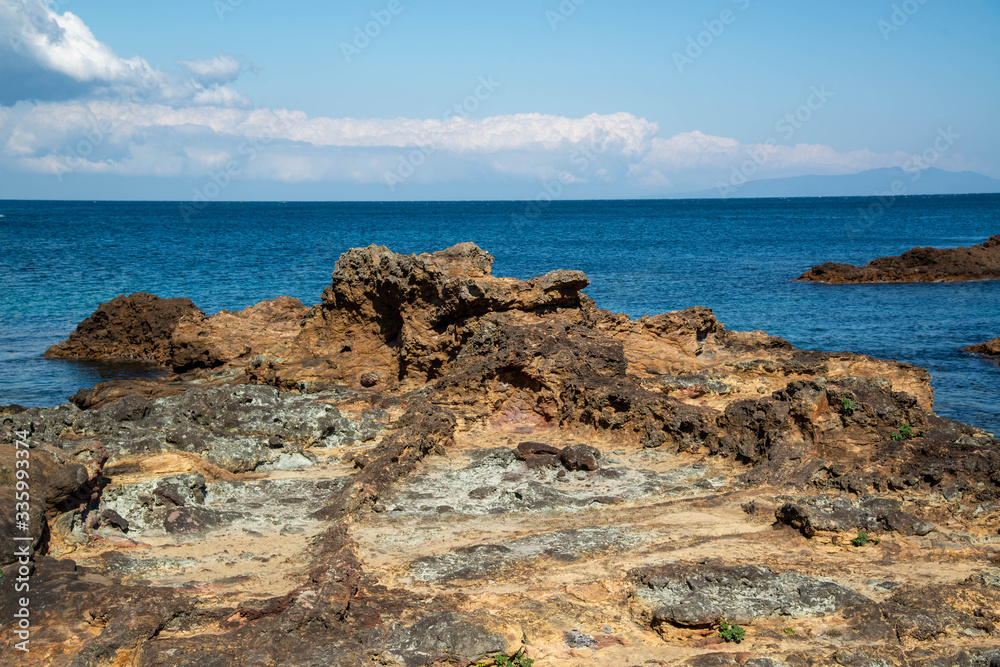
[(736, 256)]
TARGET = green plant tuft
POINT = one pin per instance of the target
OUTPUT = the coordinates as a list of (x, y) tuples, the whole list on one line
[(848, 406), (863, 539), (904, 432), (731, 633), (519, 660)]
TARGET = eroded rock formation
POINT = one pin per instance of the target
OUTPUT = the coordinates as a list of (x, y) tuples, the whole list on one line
[(438, 466), (990, 348), (919, 265)]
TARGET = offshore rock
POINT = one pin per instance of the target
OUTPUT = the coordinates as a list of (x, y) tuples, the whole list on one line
[(990, 348), (923, 265)]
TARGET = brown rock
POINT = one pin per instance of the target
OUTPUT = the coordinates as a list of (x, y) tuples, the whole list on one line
[(227, 337), (580, 457), (926, 265), (138, 326), (528, 449), (990, 348)]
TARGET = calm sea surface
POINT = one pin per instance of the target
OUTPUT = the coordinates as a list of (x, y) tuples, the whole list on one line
[(61, 259)]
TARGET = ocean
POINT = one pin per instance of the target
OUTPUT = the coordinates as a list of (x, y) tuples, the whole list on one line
[(738, 257)]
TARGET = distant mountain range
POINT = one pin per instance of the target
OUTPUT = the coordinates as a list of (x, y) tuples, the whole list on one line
[(892, 180)]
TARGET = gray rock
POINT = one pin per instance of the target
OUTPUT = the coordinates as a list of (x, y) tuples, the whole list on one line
[(701, 595), (196, 520), (487, 560), (468, 637), (577, 639), (239, 428), (827, 514), (496, 482)]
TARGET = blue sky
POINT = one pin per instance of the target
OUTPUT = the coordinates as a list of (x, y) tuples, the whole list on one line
[(223, 99)]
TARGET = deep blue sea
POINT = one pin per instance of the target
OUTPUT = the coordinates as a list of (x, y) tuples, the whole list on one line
[(61, 259)]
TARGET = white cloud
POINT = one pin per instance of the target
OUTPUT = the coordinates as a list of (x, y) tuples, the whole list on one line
[(223, 68), (115, 137), (694, 160), (45, 51), (50, 56), (101, 136), (95, 112)]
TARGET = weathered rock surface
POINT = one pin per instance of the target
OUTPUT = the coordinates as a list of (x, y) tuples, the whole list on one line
[(923, 265), (990, 348), (436, 466), (703, 595), (870, 513), (138, 326)]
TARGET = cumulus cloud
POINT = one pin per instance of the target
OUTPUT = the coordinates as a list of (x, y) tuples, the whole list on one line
[(100, 136), (695, 160), (48, 56), (68, 103), (223, 68)]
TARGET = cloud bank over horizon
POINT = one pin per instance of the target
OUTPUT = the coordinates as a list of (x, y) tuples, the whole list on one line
[(69, 104)]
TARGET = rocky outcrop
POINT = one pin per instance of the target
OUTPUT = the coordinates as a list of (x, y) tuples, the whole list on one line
[(923, 265), (37, 483), (226, 337), (138, 326), (392, 319), (990, 348), (437, 466)]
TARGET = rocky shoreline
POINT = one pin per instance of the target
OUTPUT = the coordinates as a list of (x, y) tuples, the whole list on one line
[(437, 466), (919, 265)]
